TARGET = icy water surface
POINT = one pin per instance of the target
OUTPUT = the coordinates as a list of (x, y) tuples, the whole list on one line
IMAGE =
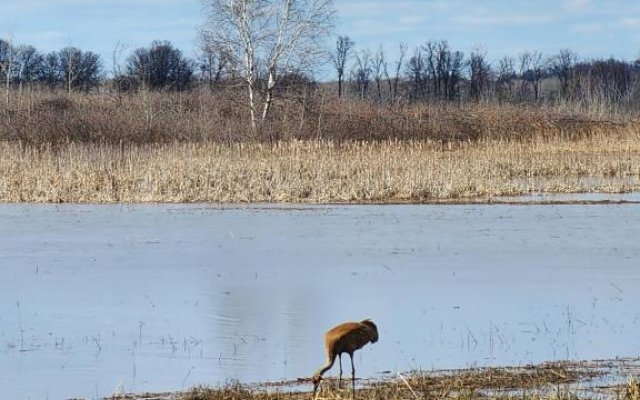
[(95, 299)]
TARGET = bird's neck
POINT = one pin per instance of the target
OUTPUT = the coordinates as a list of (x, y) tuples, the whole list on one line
[(327, 366)]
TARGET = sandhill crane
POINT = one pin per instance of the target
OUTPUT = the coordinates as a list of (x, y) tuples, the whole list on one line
[(345, 338)]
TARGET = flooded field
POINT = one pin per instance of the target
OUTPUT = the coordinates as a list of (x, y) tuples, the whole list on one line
[(99, 299)]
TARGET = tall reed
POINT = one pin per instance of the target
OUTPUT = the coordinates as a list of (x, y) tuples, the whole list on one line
[(317, 170)]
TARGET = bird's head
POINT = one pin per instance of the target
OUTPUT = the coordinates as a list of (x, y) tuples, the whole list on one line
[(373, 330)]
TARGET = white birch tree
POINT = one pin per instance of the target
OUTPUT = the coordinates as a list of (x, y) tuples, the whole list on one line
[(263, 40)]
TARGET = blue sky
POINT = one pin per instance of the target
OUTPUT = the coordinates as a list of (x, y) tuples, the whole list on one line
[(501, 27)]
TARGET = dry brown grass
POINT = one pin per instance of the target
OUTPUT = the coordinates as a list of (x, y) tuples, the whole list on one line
[(557, 380), (614, 379), (195, 147), (155, 117), (632, 390), (318, 171)]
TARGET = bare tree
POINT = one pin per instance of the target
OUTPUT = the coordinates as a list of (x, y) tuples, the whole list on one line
[(70, 65), (431, 66), (160, 66), (80, 70), (211, 63), (362, 72), (119, 78), (608, 81), (562, 66), (378, 66), (506, 78), (343, 46), (532, 70), (416, 69), (28, 64), (479, 71), (29, 68), (89, 71), (268, 37), (393, 84), (454, 75), (51, 71), (443, 68)]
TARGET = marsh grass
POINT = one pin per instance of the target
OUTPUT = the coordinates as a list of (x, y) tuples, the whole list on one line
[(549, 381), (195, 147), (318, 171)]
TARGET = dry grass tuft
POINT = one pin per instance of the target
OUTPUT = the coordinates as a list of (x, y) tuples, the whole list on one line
[(632, 391), (232, 391), (506, 378)]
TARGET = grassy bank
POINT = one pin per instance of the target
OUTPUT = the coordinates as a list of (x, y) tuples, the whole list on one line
[(319, 170), (557, 381)]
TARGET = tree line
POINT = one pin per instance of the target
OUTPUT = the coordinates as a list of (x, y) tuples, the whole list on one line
[(433, 71), (271, 48), (160, 65)]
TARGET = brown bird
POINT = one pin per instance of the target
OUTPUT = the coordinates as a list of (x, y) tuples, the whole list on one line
[(345, 338)]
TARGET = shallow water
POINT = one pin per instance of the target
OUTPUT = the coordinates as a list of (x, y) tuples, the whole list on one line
[(98, 299)]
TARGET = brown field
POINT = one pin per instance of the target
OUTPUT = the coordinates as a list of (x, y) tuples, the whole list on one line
[(195, 147)]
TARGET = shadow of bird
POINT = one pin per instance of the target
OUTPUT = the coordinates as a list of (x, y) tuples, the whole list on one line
[(345, 338)]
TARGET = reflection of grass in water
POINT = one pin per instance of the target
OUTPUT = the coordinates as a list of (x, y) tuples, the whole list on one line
[(20, 327), (558, 380), (320, 171)]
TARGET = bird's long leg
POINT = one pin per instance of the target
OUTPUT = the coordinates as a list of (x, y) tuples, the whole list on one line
[(340, 376), (353, 377)]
